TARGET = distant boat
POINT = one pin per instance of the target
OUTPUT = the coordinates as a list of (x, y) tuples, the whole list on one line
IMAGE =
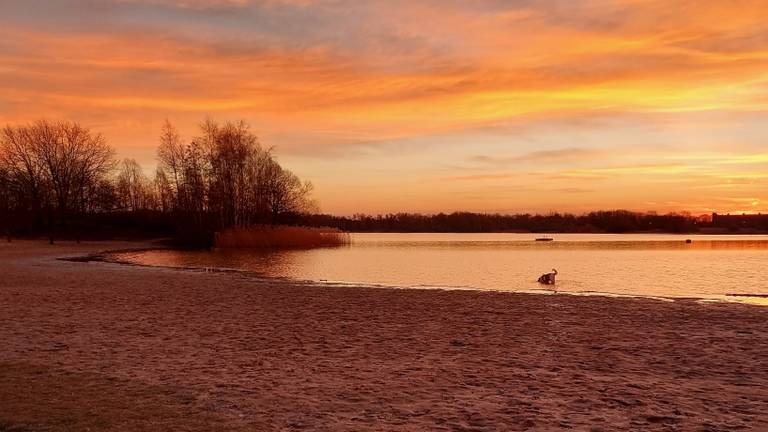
[(544, 239)]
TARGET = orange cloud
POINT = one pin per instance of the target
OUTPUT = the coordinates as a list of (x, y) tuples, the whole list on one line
[(440, 82)]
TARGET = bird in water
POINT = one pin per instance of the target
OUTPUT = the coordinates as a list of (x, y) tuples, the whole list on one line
[(548, 278)]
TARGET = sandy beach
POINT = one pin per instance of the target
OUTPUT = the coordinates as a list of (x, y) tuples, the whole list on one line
[(100, 346)]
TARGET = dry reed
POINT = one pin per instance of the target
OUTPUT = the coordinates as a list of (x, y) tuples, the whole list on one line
[(280, 236)]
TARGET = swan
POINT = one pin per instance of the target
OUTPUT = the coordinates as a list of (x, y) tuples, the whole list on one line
[(548, 278)]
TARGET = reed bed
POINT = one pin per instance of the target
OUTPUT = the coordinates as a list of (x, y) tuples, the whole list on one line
[(279, 236)]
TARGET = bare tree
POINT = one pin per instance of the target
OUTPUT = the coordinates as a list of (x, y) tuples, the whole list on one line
[(229, 149), (25, 174), (134, 188), (163, 191), (72, 159), (101, 197), (5, 202), (285, 193), (171, 154), (224, 178), (52, 164)]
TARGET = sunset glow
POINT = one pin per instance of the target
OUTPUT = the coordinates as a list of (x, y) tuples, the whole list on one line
[(490, 105)]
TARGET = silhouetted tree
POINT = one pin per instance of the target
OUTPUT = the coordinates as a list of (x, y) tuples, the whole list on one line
[(5, 203), (224, 178), (595, 222), (285, 193), (24, 171), (163, 190), (134, 188), (52, 165), (57, 172), (171, 157)]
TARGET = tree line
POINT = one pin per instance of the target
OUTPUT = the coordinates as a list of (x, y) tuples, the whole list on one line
[(63, 179), (617, 221)]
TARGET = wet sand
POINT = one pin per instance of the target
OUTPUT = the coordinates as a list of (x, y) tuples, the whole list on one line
[(99, 346)]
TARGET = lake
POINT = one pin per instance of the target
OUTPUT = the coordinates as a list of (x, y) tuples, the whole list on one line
[(710, 267)]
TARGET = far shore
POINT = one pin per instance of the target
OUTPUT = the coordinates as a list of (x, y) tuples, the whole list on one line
[(107, 347)]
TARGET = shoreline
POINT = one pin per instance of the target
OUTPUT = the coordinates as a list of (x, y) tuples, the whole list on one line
[(109, 256), (114, 347)]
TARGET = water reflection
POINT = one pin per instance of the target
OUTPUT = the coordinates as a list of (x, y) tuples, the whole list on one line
[(533, 245), (651, 265)]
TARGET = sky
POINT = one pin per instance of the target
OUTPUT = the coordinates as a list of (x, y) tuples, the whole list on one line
[(424, 105)]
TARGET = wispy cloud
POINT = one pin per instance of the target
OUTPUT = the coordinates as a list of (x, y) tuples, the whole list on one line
[(582, 91), (558, 156)]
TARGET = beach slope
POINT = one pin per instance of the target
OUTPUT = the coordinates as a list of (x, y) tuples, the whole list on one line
[(98, 346)]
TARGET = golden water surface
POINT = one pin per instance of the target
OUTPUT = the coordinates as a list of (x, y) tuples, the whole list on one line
[(710, 267)]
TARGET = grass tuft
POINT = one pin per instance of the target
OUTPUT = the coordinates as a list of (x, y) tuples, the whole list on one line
[(280, 236)]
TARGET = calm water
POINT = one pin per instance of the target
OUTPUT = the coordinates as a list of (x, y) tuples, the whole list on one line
[(634, 264)]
